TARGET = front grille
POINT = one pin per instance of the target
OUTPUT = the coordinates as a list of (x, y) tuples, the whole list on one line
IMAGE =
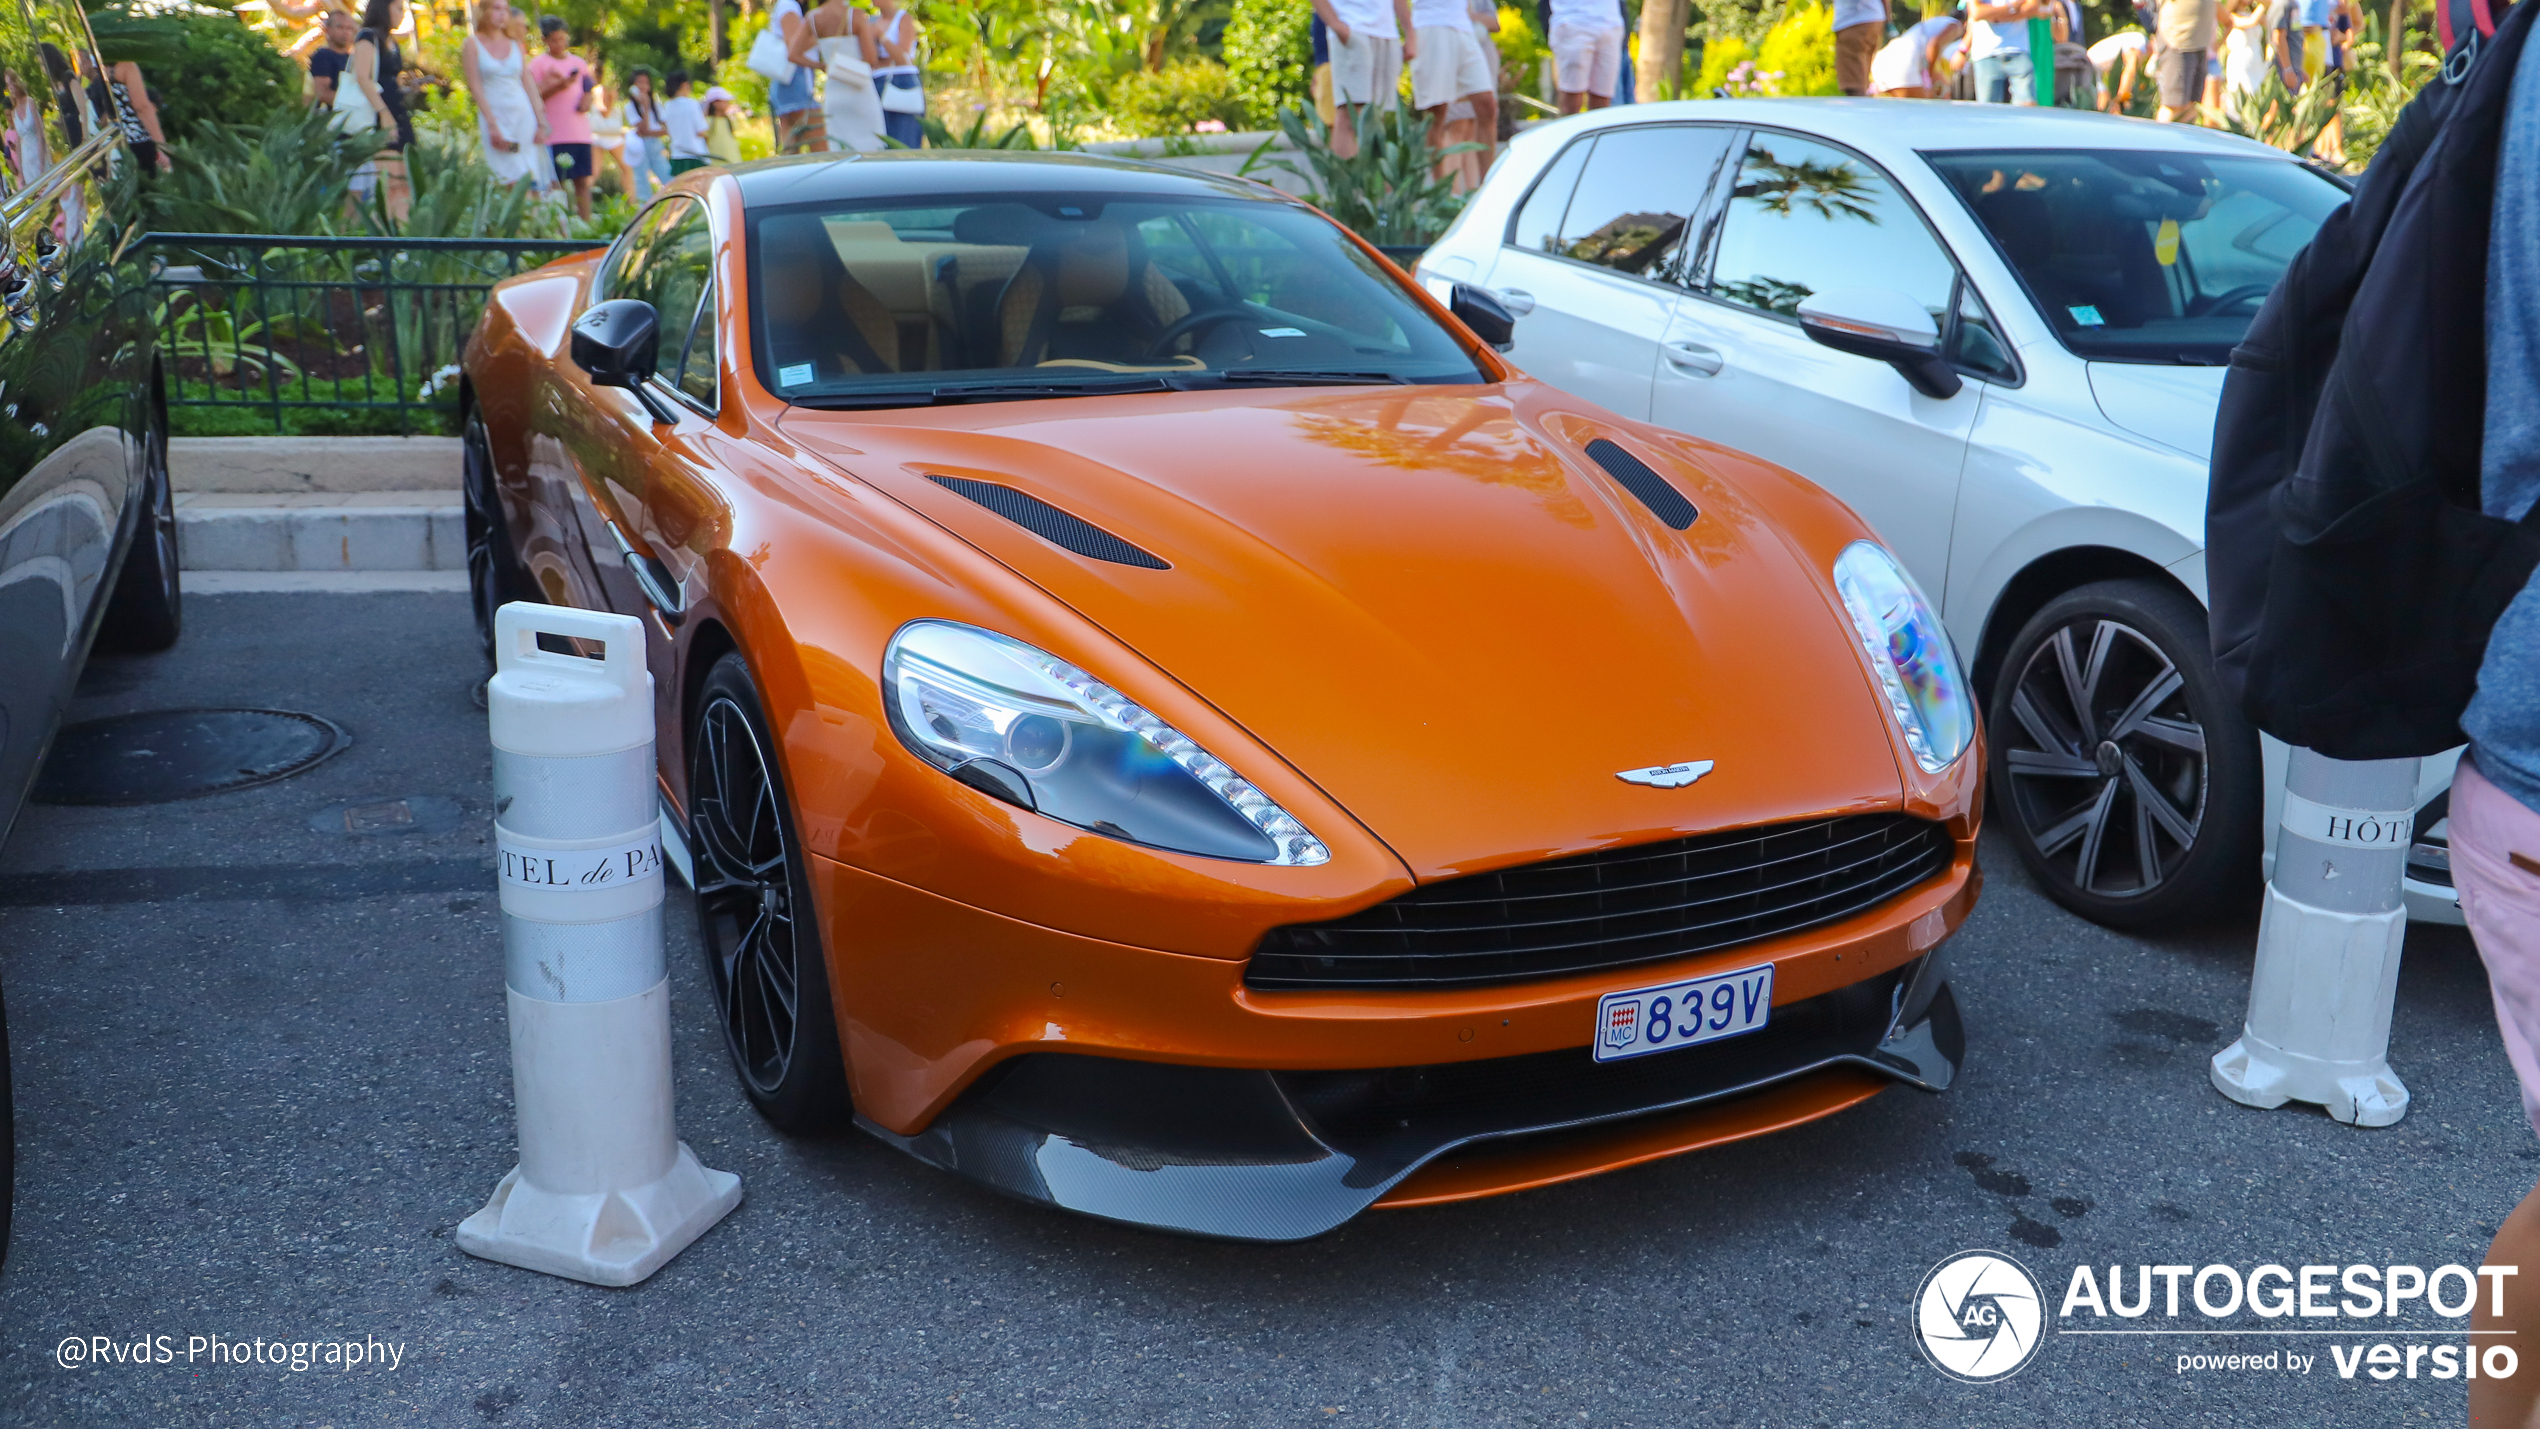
[(1611, 909)]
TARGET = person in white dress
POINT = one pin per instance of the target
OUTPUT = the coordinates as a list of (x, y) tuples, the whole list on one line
[(508, 117), (849, 49)]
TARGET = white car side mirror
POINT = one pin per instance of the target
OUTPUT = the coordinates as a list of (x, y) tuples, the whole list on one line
[(1885, 325)]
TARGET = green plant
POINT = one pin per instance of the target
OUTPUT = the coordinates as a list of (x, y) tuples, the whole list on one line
[(2374, 97), (940, 135), (1267, 51), (1390, 191), (2273, 114), (289, 173), (202, 65), (1175, 99)]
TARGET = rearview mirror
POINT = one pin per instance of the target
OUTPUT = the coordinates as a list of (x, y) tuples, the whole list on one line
[(1483, 312), (1886, 326), (619, 342)]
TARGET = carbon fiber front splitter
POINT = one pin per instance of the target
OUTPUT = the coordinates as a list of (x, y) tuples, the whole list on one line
[(1282, 1156)]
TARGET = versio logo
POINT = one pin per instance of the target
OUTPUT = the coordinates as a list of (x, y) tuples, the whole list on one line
[(1979, 1316)]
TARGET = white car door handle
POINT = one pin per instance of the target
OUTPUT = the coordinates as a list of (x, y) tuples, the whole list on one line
[(1517, 301), (1693, 357)]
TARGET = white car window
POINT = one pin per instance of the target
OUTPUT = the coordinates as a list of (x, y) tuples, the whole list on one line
[(1806, 217), (2143, 255), (1538, 226), (1635, 193)]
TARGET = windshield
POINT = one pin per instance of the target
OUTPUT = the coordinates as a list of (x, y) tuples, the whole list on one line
[(2139, 256), (1066, 294)]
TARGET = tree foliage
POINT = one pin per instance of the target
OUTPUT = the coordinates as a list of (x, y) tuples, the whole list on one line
[(201, 64), (1268, 48)]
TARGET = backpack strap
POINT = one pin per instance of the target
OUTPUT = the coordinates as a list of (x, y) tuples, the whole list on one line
[(2461, 26)]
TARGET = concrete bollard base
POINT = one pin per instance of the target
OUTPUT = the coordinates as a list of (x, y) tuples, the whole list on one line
[(613, 1238), (2255, 1072), (604, 1192)]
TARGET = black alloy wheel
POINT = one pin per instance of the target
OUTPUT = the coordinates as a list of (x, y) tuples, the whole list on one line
[(494, 574), (2129, 784), (754, 911), (147, 610)]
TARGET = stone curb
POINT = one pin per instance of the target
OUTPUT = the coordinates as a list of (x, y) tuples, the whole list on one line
[(388, 531), (297, 465)]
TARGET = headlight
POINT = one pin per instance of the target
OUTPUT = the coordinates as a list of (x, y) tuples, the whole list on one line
[(1033, 730), (1917, 669)]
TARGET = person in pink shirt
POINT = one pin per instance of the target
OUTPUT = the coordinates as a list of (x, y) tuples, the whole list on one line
[(563, 83)]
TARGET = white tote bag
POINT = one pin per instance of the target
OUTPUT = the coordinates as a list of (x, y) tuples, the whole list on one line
[(352, 109), (768, 57)]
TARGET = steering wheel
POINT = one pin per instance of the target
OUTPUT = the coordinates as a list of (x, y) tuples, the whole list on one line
[(1190, 323), (2231, 298)]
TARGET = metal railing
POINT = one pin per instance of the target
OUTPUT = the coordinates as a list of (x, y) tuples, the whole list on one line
[(274, 324)]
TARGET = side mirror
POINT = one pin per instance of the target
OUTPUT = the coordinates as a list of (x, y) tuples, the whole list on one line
[(619, 342), (1483, 312), (1885, 325)]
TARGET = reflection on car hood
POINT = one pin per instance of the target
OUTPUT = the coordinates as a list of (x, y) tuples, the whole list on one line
[(1429, 602), (2171, 405)]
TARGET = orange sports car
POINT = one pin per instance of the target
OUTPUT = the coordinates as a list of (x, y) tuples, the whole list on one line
[(1162, 720)]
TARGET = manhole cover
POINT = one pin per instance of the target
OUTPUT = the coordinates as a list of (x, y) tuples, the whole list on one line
[(161, 755), (375, 816)]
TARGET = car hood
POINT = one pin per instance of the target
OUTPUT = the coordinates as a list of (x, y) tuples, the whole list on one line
[(2171, 405), (1430, 603)]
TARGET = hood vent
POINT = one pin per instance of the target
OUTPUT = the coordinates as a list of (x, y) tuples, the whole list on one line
[(1664, 501), (1057, 527)]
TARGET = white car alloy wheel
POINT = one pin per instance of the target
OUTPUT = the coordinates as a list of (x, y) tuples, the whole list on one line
[(2129, 786)]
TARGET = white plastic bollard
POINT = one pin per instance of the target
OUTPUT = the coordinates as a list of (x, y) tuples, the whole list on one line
[(605, 1191), (2327, 972)]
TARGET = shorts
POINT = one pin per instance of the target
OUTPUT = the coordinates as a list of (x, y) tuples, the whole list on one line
[(1447, 66), (685, 166), (2496, 869), (573, 161), (1854, 47), (2181, 75), (1366, 69), (1587, 61)]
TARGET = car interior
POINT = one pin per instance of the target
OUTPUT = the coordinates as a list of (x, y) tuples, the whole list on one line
[(1004, 286), (2144, 257)]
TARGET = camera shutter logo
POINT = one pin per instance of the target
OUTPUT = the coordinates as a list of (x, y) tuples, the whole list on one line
[(1979, 1317)]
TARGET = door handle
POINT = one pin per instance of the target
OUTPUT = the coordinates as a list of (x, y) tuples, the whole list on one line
[(1517, 300), (1693, 357), (660, 589)]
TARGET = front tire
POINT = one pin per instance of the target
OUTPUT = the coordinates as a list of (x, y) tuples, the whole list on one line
[(754, 911), (2127, 781), (494, 574)]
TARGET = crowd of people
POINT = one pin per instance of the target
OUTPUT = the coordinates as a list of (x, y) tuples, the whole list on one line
[(839, 78), (2206, 57)]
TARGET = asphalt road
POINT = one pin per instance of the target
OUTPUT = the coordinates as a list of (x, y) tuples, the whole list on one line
[(262, 1072)]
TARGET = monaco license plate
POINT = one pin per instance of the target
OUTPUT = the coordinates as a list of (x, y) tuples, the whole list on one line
[(1681, 1014)]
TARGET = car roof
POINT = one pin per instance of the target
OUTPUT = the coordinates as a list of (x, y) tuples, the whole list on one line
[(921, 173), (1893, 128)]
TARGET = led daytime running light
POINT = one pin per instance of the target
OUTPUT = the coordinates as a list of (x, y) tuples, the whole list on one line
[(1297, 847)]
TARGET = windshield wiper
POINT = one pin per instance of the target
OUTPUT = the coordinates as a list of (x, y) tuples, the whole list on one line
[(979, 392), (1306, 377)]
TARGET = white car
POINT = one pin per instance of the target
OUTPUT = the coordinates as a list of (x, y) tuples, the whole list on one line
[(1999, 334)]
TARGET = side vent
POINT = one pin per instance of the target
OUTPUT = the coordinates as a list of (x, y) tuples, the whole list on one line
[(1664, 501), (1056, 526)]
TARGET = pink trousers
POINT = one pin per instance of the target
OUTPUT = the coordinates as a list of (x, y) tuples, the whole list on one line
[(2496, 869)]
